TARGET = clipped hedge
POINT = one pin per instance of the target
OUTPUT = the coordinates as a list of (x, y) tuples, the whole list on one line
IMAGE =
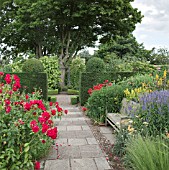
[(72, 92), (88, 80), (34, 80), (74, 100), (53, 92)]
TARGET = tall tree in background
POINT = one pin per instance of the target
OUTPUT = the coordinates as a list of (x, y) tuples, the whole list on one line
[(124, 46), (63, 27)]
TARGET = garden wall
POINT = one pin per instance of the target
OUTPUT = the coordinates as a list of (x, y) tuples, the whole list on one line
[(88, 80)]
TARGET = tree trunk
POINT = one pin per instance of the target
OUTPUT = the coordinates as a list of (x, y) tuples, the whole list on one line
[(63, 73), (38, 51)]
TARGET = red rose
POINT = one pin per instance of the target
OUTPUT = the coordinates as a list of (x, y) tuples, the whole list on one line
[(8, 109), (66, 111), (8, 78), (50, 103), (90, 91), (27, 106), (45, 127), (35, 129), (7, 102), (53, 112), (43, 141), (33, 123), (37, 165), (27, 96), (46, 115), (52, 133), (59, 109), (1, 74), (41, 119), (84, 109)]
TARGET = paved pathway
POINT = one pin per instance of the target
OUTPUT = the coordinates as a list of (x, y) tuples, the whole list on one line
[(75, 148)]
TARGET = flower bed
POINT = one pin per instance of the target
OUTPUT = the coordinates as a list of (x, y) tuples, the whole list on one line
[(26, 125)]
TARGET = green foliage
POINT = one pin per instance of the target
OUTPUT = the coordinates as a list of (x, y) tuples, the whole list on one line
[(152, 116), (95, 65), (51, 67), (147, 153), (21, 134), (16, 67), (74, 100), (159, 56), (88, 80), (108, 98), (53, 92), (72, 92), (32, 81), (7, 69), (77, 66), (32, 66), (123, 46), (52, 98)]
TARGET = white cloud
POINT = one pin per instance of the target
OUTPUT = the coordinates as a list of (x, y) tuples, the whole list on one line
[(154, 28)]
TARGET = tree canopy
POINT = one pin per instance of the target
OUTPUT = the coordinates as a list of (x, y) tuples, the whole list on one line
[(63, 27)]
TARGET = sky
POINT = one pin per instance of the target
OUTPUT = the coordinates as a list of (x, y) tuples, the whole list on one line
[(153, 31), (154, 28)]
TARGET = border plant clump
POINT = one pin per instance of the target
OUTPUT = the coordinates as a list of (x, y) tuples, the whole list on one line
[(26, 124)]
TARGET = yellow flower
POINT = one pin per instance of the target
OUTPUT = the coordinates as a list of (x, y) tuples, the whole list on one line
[(130, 129), (159, 83), (167, 134), (165, 73), (157, 77)]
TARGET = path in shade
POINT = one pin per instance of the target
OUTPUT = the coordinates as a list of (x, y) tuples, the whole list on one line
[(76, 147)]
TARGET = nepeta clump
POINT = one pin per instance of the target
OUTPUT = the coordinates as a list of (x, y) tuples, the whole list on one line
[(152, 116)]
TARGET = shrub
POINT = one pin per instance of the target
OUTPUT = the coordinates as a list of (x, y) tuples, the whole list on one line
[(53, 92), (95, 65), (77, 66), (88, 80), (74, 100), (72, 92), (25, 125), (51, 67), (32, 65), (153, 114), (108, 98), (7, 69), (147, 153)]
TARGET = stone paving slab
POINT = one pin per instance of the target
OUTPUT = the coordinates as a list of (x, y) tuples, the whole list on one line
[(62, 128), (83, 164), (101, 163), (85, 127), (92, 141), (66, 152), (67, 134), (77, 142), (91, 151), (61, 141), (110, 137), (57, 164), (71, 128), (106, 130)]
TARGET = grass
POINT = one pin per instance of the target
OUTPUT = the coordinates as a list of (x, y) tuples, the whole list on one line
[(147, 154)]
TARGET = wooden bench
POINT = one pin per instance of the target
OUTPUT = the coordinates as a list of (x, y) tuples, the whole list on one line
[(119, 120)]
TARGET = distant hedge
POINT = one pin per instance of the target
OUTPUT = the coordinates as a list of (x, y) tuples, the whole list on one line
[(34, 80), (88, 80)]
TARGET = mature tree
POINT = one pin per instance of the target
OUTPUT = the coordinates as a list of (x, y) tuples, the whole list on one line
[(64, 26), (123, 47)]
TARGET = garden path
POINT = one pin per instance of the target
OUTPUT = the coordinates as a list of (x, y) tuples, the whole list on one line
[(76, 147)]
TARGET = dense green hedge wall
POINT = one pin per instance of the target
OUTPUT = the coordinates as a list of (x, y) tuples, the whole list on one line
[(34, 80), (88, 80)]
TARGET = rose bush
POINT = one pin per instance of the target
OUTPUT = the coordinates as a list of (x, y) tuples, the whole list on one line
[(26, 125)]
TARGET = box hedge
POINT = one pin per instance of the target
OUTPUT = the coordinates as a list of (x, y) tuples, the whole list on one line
[(32, 81), (74, 100), (53, 92), (88, 80), (72, 92)]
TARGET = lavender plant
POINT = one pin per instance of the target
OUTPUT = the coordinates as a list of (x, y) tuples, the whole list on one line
[(152, 117)]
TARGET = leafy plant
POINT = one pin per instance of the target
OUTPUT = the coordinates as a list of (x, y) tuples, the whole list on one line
[(147, 153), (26, 124), (95, 65), (51, 67), (77, 66), (32, 65), (153, 114)]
